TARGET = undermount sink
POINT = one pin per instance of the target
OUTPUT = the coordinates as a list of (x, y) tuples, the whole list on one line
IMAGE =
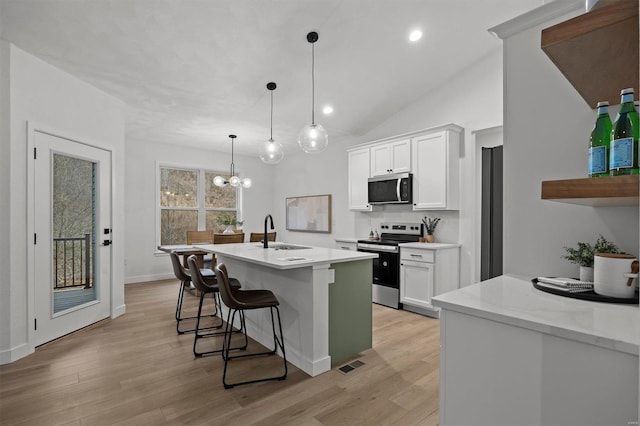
[(280, 246), (289, 247)]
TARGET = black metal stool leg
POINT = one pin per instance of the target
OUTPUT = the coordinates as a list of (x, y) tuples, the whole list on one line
[(223, 333), (180, 318), (278, 343)]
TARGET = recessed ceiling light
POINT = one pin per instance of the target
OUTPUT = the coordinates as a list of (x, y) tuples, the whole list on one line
[(327, 109), (415, 35)]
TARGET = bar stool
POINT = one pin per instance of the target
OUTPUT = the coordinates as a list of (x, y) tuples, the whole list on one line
[(185, 279), (210, 286), (239, 301)]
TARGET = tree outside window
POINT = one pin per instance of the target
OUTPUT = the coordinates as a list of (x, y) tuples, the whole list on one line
[(190, 201)]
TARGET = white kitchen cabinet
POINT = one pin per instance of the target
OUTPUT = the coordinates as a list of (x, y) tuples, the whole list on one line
[(427, 270), (431, 155), (358, 176), (391, 157), (344, 244), (436, 170), (514, 355)]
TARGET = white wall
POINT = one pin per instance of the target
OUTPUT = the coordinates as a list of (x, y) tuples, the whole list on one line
[(141, 159), (43, 94), (5, 225), (546, 132)]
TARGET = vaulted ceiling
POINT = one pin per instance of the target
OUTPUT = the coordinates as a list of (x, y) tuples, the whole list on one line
[(193, 71)]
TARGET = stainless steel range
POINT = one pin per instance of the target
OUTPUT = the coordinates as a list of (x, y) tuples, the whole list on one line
[(386, 268)]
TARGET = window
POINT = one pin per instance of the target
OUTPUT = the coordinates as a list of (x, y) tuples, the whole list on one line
[(190, 201)]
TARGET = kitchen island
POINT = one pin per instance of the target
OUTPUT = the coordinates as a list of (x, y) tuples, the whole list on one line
[(512, 354), (324, 294)]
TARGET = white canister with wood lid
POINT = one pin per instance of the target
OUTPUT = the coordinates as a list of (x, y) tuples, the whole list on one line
[(614, 274)]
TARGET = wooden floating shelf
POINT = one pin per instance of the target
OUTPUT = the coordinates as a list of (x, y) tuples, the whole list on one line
[(596, 192), (597, 51)]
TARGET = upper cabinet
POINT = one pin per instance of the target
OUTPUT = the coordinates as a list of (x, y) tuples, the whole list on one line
[(597, 51), (358, 176), (432, 155), (436, 170), (391, 157)]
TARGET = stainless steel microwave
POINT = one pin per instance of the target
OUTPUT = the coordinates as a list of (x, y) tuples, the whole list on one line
[(391, 189)]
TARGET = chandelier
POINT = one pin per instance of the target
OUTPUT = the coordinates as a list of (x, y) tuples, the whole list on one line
[(233, 179)]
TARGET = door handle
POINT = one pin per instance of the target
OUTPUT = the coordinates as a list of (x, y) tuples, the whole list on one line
[(106, 242)]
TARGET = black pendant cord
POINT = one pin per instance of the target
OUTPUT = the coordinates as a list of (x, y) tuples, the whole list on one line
[(271, 137), (313, 88), (232, 165)]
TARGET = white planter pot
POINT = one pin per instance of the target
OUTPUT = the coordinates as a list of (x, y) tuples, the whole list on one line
[(586, 273)]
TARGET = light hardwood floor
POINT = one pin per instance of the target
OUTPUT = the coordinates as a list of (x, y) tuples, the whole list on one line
[(135, 370)]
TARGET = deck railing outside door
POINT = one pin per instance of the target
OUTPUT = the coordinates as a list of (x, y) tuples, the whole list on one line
[(72, 262)]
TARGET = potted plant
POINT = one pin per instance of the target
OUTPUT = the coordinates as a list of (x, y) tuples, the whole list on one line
[(582, 255), (228, 220), (430, 227)]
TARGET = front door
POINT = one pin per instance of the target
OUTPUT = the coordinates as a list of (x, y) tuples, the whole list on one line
[(72, 223)]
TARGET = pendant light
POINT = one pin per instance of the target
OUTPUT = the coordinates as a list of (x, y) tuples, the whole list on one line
[(271, 151), (233, 179), (313, 138)]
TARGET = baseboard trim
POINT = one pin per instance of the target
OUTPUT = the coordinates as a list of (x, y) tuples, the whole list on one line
[(120, 310), (10, 355), (146, 278)]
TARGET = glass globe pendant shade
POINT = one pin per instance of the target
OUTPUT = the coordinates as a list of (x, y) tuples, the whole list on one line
[(313, 139), (246, 183), (219, 181), (234, 181), (271, 152)]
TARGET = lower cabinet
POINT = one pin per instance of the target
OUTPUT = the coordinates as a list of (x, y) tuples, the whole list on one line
[(346, 245), (416, 283), (427, 272)]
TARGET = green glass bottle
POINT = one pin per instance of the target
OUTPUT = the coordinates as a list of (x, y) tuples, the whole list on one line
[(623, 157), (599, 142)]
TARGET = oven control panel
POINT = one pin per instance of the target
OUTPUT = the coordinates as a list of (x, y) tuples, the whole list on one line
[(401, 228)]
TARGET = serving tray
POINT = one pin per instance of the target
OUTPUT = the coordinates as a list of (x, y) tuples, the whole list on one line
[(586, 295)]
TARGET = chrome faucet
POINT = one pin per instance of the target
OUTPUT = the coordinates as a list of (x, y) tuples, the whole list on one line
[(265, 240)]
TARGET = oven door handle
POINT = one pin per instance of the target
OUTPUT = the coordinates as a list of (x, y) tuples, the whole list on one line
[(373, 248)]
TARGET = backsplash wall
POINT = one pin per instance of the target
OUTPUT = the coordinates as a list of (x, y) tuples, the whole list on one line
[(447, 230)]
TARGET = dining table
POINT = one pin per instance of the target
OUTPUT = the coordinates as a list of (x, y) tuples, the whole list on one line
[(185, 250)]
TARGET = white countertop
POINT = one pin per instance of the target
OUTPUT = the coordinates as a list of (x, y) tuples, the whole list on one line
[(284, 259), (513, 300), (346, 240), (429, 246)]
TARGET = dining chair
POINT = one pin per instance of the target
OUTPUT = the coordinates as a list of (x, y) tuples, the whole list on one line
[(202, 237), (256, 237), (195, 237), (239, 301), (228, 238), (207, 286)]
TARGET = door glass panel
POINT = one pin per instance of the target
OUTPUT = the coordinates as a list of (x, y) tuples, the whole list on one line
[(74, 232)]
